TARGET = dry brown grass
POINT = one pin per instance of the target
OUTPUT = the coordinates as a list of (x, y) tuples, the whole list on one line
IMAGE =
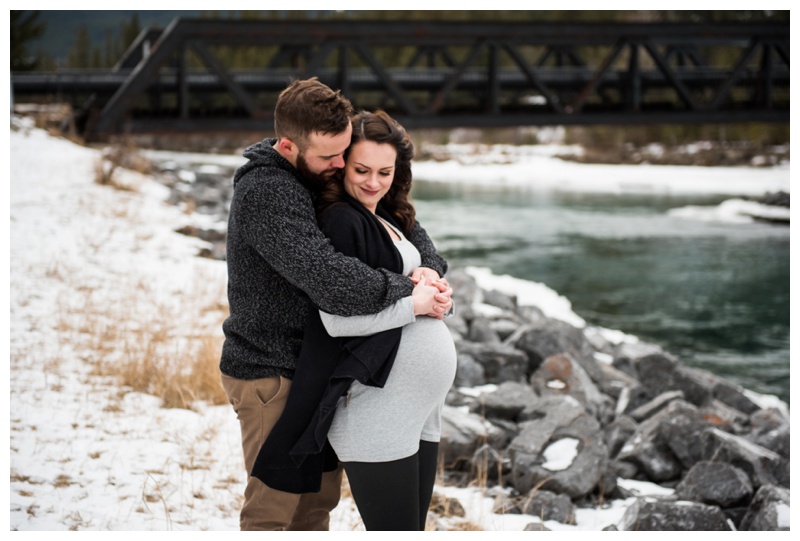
[(168, 348), (121, 155)]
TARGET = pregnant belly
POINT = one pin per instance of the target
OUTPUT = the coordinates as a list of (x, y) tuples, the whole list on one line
[(427, 354)]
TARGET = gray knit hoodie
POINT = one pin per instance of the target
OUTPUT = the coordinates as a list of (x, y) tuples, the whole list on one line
[(279, 263)]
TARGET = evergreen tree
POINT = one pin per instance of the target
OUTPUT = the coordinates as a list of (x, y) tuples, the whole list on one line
[(80, 53), (25, 27), (130, 31)]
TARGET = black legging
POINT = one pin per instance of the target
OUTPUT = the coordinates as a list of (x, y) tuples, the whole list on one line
[(394, 496)]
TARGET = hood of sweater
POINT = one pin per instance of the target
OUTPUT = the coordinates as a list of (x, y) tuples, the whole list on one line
[(262, 154)]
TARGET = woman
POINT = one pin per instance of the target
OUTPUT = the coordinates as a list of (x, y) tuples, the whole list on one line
[(380, 406)]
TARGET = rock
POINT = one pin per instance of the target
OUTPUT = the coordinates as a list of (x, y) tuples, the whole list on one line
[(501, 300), (536, 527), (488, 463), (646, 515), (661, 372), (648, 449), (723, 416), (530, 313), (560, 374), (645, 411), (548, 337), (770, 429), (503, 505), (617, 433), (457, 324), (469, 372), (507, 401), (444, 506), (734, 396), (627, 355), (715, 483), (480, 330), (465, 289), (462, 434), (623, 470), (615, 381), (571, 461), (769, 510), (548, 505), (504, 327), (509, 428), (761, 465), (683, 432), (500, 362), (631, 398), (597, 339)]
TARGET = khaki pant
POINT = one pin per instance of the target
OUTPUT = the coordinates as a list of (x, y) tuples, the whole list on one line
[(258, 405)]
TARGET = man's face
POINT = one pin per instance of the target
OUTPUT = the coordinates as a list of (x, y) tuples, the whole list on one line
[(324, 155)]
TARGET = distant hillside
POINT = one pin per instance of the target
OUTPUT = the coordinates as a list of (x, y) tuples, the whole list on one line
[(62, 26)]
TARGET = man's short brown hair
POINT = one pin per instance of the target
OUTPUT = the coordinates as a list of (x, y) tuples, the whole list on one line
[(307, 106)]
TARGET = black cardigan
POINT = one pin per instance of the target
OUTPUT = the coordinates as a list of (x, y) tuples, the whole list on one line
[(296, 451)]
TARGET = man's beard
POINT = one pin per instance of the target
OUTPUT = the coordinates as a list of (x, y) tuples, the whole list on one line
[(313, 181)]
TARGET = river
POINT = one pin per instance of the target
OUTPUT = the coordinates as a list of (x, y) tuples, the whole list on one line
[(643, 250), (714, 294)]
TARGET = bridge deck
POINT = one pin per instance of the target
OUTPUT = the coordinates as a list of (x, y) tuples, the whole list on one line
[(437, 74)]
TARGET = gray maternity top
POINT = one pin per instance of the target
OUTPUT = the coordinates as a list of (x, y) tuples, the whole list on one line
[(381, 424)]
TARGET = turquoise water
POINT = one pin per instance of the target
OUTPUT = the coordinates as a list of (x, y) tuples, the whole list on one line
[(716, 295)]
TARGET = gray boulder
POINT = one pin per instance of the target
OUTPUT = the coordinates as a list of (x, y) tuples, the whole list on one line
[(770, 429), (651, 516), (536, 527), (645, 411), (626, 356), (614, 381), (769, 510), (500, 362), (457, 325), (548, 337), (734, 396), (560, 374), (547, 505), (500, 300), (715, 483), (661, 372), (469, 372), (462, 434), (504, 327), (506, 402), (480, 330), (618, 432), (683, 431), (488, 463), (650, 450), (762, 466), (571, 461)]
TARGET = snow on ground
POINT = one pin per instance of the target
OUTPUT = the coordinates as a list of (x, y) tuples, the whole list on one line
[(86, 454), (536, 168)]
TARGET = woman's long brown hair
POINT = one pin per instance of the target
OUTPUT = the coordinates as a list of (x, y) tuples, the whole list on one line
[(380, 128)]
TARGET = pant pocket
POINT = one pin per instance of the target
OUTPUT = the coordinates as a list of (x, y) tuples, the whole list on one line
[(268, 390)]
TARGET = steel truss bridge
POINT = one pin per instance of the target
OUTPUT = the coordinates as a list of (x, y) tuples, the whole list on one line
[(433, 74)]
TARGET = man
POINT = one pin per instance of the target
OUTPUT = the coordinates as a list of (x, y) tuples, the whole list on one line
[(278, 264)]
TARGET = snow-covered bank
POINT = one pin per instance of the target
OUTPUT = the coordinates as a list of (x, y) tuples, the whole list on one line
[(537, 168), (737, 211), (86, 455)]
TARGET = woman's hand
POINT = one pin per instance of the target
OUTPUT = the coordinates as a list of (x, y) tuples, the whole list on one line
[(432, 299), (427, 272)]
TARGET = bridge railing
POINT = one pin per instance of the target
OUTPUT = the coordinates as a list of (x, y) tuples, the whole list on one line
[(440, 73)]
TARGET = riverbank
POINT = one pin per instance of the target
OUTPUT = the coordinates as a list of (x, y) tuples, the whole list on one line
[(89, 454)]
